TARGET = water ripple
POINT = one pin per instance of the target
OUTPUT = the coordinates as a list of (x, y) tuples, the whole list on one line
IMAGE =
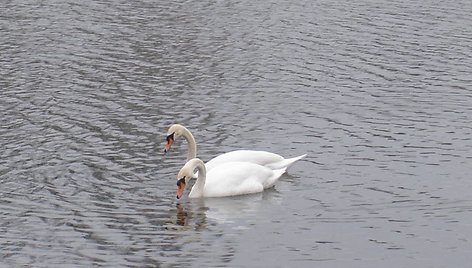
[(375, 92)]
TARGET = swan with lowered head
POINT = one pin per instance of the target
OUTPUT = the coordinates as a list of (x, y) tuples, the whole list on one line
[(227, 179), (267, 159)]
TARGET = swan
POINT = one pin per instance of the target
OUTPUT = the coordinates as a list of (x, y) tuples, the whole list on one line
[(267, 159), (227, 179)]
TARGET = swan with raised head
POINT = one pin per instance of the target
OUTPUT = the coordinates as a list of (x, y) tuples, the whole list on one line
[(227, 179), (267, 159)]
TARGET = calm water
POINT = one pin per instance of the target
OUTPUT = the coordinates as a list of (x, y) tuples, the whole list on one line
[(378, 93)]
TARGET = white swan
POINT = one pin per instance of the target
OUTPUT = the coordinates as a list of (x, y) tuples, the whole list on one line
[(267, 159), (228, 179)]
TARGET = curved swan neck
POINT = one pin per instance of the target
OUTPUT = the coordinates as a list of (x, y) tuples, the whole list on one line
[(199, 185), (192, 144)]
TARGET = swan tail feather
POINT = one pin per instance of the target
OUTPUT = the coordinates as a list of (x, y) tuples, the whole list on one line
[(286, 162)]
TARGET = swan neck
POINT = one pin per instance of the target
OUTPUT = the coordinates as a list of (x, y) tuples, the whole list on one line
[(192, 144), (200, 183)]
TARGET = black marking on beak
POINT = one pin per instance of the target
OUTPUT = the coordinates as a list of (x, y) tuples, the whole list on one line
[(179, 182), (170, 137), (170, 140)]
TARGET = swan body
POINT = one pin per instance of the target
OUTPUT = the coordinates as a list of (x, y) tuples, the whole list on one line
[(270, 160), (227, 179)]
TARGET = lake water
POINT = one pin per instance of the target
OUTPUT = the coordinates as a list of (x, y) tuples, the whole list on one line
[(377, 93)]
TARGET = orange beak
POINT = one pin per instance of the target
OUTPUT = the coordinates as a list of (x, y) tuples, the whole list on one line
[(180, 189), (170, 141)]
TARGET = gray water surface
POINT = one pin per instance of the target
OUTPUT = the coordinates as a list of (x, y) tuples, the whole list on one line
[(377, 93)]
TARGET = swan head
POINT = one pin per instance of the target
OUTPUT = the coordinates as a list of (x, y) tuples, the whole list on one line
[(181, 183), (174, 132), (187, 173)]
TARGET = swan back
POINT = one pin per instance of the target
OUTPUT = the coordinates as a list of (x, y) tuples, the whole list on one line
[(263, 158), (256, 157)]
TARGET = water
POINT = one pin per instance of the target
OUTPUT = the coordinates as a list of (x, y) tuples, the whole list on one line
[(378, 93)]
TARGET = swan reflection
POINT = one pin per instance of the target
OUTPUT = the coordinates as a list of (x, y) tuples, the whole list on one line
[(201, 212)]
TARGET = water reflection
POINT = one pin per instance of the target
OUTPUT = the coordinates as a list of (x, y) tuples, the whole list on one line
[(211, 226), (198, 213), (181, 215)]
